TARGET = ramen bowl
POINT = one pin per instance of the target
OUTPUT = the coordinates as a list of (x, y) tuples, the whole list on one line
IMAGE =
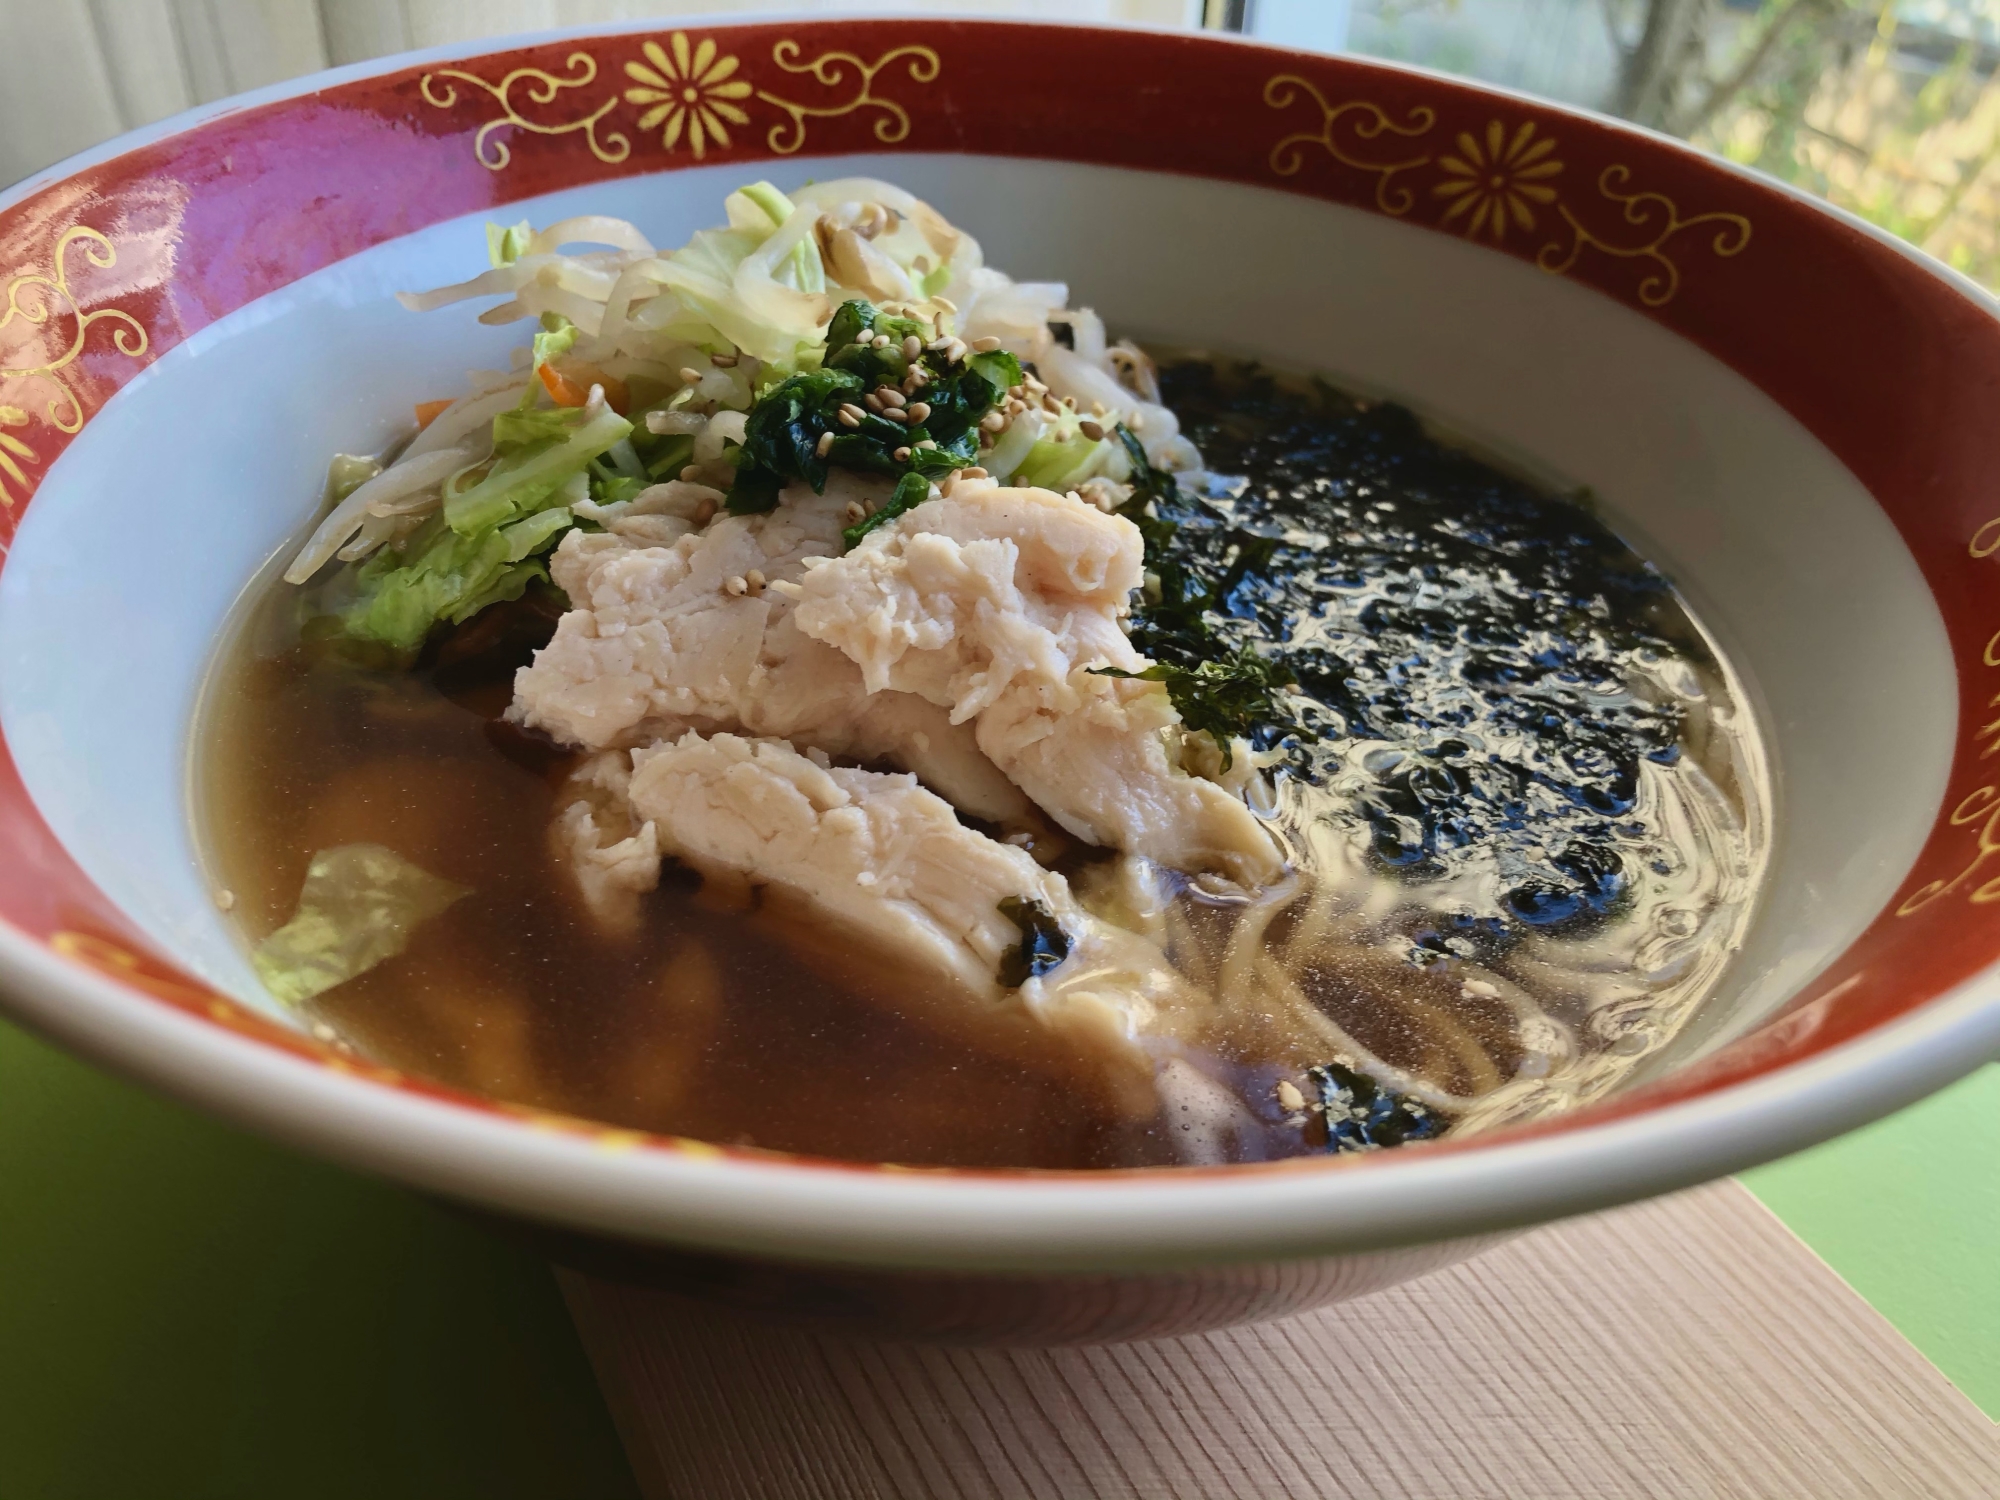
[(1787, 410)]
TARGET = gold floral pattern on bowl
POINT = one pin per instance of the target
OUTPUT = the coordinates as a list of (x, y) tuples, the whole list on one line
[(692, 90), (693, 93)]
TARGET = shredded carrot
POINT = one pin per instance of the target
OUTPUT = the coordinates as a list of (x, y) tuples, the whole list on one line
[(565, 391), (573, 389), (427, 412)]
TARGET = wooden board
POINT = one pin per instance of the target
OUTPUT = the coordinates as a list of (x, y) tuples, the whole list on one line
[(1684, 1349)]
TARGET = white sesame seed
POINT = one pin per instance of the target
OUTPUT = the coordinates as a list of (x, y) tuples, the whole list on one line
[(226, 899), (824, 446), (987, 343), (919, 411)]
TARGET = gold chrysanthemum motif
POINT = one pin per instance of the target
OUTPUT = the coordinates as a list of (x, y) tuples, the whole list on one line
[(690, 93), (1494, 184)]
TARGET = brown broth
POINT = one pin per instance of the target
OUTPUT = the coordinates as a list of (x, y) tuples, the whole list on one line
[(707, 1023)]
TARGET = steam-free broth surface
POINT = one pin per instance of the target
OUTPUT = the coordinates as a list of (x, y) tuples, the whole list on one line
[(1525, 801)]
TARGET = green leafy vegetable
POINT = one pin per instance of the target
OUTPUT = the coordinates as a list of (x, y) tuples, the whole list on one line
[(504, 246), (1215, 690), (616, 489), (557, 338), (781, 436), (670, 456), (1043, 943), (528, 426), (526, 537), (1063, 457), (759, 283), (359, 905), (911, 490), (402, 592), (527, 479), (796, 430)]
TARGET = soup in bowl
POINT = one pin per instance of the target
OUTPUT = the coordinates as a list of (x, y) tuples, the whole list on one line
[(1070, 746)]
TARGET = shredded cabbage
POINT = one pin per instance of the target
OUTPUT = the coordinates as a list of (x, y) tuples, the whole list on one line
[(527, 479)]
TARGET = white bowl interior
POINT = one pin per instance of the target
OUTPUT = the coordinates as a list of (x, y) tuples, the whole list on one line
[(144, 533)]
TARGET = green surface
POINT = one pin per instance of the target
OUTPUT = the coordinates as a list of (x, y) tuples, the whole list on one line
[(188, 1312), (1908, 1212)]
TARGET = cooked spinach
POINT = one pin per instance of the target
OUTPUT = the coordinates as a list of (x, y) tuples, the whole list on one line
[(1043, 943), (911, 490), (796, 431)]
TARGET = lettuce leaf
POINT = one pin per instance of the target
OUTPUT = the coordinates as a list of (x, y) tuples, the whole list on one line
[(359, 905), (438, 574), (524, 427)]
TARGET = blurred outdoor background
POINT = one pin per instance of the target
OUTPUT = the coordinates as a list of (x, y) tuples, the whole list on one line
[(1887, 107)]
